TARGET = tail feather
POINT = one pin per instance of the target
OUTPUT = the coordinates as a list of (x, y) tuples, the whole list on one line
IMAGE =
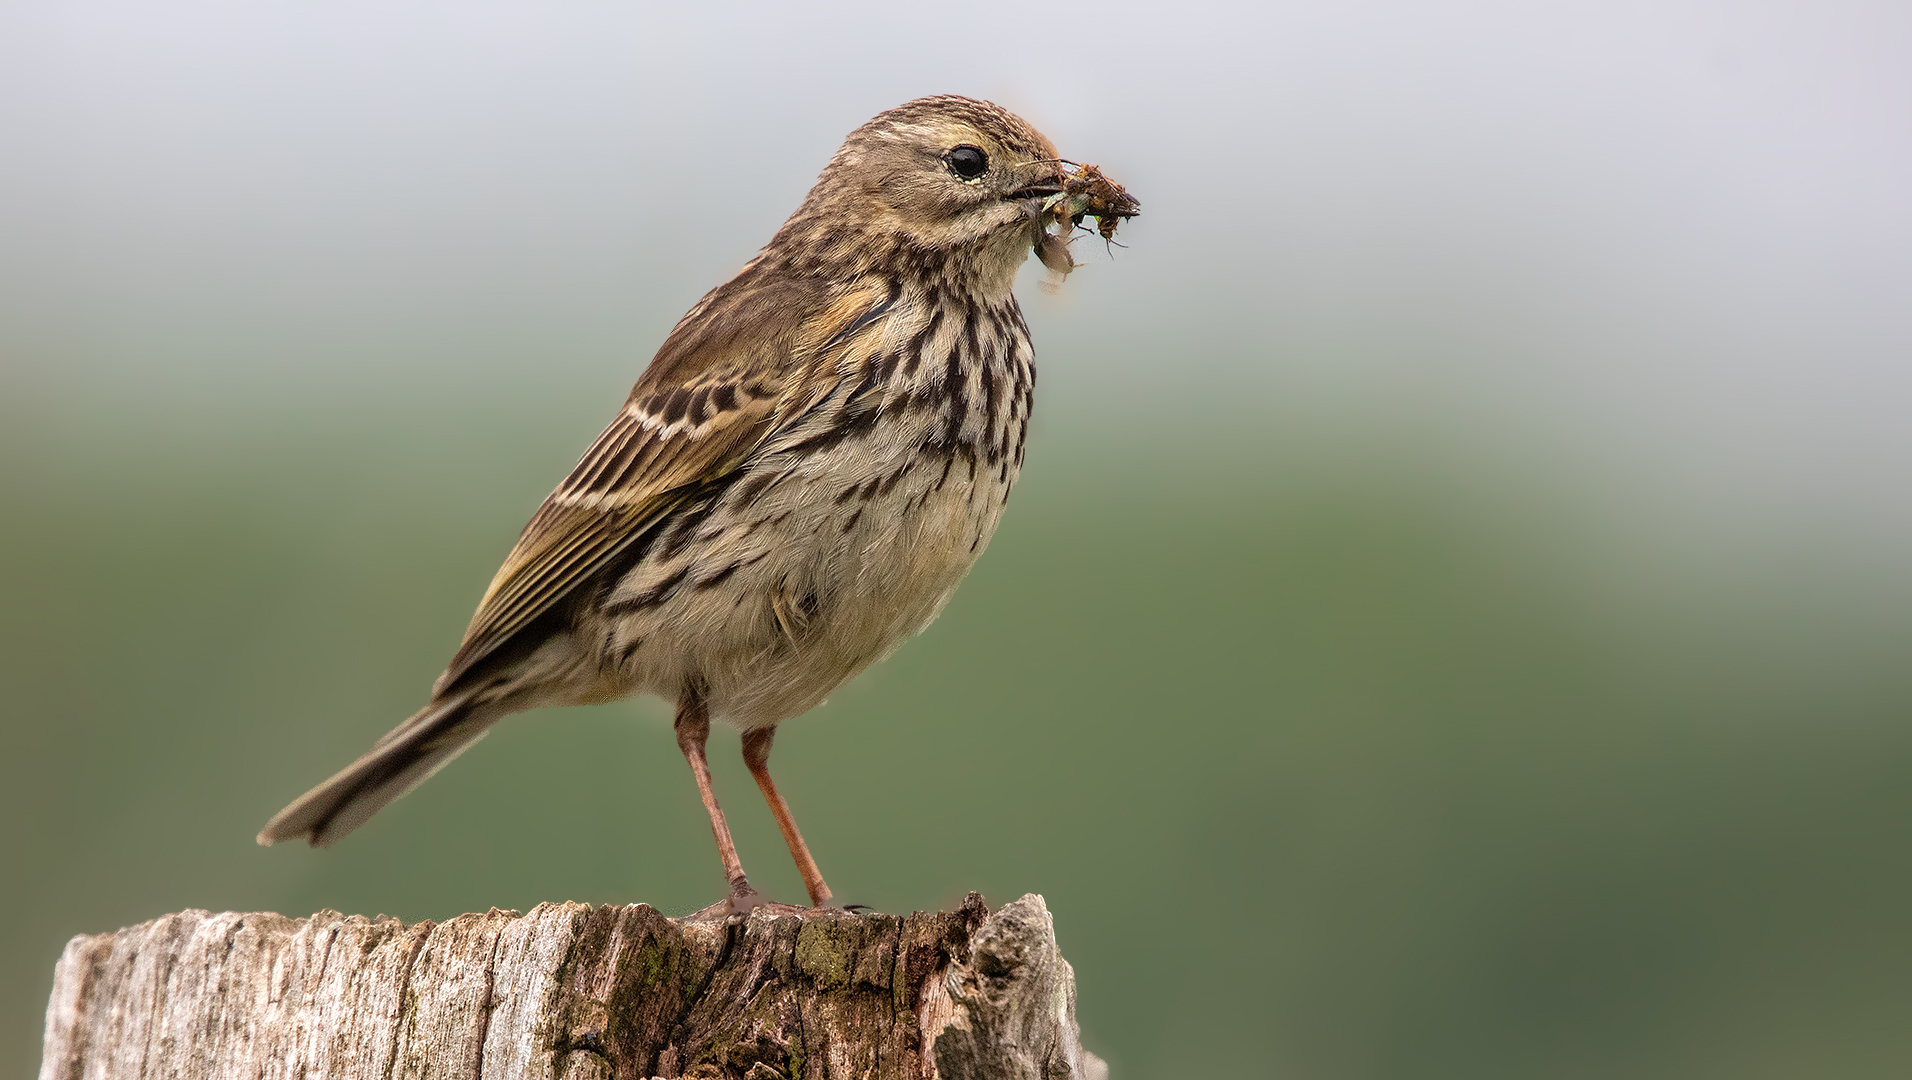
[(404, 758)]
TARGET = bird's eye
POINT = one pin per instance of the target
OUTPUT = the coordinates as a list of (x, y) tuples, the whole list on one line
[(967, 162)]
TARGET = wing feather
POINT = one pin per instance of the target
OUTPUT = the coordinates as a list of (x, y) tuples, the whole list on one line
[(749, 357)]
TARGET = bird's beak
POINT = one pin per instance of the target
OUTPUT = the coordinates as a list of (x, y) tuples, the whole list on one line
[(1035, 191), (1046, 181)]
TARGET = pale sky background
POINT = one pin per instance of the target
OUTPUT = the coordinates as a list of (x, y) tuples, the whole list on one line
[(1670, 241)]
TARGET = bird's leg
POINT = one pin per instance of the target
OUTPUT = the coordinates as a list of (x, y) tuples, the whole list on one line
[(693, 729), (757, 756)]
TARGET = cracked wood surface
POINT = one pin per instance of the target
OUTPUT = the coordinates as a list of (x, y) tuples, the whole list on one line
[(571, 992)]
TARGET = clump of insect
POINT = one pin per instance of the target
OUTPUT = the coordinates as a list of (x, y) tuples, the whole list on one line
[(1086, 193)]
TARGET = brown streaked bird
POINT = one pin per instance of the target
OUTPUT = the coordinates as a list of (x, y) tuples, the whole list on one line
[(815, 457)]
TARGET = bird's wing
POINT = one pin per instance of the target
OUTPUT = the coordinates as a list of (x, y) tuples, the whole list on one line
[(749, 356)]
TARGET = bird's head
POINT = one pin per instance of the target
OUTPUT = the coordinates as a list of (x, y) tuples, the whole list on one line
[(941, 185)]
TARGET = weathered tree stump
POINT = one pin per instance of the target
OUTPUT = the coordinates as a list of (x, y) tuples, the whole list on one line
[(570, 992)]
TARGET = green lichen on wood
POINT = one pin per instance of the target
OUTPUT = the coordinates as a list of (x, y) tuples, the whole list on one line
[(777, 994), (823, 953)]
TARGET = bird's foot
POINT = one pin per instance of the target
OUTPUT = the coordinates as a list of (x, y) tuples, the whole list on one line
[(831, 903), (741, 902), (737, 907)]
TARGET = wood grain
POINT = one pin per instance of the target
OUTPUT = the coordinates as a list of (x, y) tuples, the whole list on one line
[(569, 992)]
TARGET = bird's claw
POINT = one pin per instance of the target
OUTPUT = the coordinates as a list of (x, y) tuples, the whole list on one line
[(741, 902)]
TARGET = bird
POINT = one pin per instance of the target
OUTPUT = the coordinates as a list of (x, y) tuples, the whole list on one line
[(810, 464)]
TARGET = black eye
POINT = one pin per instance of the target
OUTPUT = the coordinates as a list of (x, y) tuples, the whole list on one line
[(967, 161)]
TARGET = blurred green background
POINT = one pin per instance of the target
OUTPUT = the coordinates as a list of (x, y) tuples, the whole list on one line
[(1455, 618)]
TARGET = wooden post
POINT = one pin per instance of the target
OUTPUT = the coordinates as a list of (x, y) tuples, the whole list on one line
[(570, 992)]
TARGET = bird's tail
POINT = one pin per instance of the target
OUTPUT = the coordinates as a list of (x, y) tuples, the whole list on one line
[(406, 757)]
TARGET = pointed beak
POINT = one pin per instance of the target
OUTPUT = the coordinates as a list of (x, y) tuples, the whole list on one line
[(1046, 181), (1036, 191)]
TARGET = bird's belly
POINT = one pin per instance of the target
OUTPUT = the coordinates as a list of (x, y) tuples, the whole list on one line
[(802, 573)]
